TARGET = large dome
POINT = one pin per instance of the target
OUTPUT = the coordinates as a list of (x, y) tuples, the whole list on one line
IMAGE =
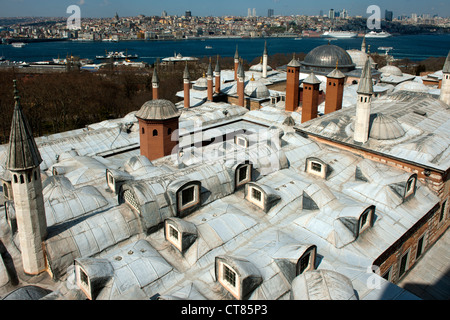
[(158, 110), (256, 89), (386, 128), (325, 58)]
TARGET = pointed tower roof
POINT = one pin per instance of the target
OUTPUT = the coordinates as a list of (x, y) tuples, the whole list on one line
[(217, 70), (265, 49), (209, 73), (241, 72), (336, 73), (236, 55), (155, 78), (294, 63), (312, 79), (23, 152), (186, 74), (446, 68), (365, 83)]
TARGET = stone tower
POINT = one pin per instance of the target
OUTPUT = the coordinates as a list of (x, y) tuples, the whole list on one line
[(335, 91), (311, 89), (23, 162), (292, 85), (363, 106), (445, 86), (155, 84), (158, 126), (187, 87)]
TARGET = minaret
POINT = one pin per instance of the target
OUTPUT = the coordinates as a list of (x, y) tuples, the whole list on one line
[(23, 161), (363, 45), (217, 75), (155, 84), (265, 58), (240, 85), (236, 64), (187, 87), (310, 97), (292, 85), (445, 86), (365, 92), (209, 79), (335, 90)]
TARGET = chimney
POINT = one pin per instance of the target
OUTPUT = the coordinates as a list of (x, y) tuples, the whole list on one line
[(187, 87), (217, 75), (335, 91), (240, 85), (155, 84), (310, 97), (363, 106), (209, 78), (292, 85)]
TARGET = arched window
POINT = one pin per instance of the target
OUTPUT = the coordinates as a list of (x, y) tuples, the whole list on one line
[(15, 178), (155, 133), (143, 130), (22, 180)]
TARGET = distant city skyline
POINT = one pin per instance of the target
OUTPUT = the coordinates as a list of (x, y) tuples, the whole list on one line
[(108, 8)]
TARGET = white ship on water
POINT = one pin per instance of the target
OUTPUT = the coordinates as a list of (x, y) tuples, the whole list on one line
[(18, 44), (117, 56), (382, 34), (340, 34)]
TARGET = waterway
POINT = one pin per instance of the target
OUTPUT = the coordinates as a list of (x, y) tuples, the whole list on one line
[(414, 47)]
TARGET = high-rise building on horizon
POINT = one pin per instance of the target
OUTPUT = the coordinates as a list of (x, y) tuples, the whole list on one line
[(270, 13), (331, 14), (388, 15)]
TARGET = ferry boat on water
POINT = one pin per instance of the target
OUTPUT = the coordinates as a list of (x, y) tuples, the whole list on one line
[(340, 34), (382, 34), (18, 44), (117, 56)]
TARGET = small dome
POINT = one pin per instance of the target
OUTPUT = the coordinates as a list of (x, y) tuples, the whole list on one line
[(391, 71), (325, 58), (256, 89), (158, 110), (412, 86), (259, 68), (386, 128), (201, 84)]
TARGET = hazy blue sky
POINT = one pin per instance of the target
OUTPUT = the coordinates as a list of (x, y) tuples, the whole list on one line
[(108, 8)]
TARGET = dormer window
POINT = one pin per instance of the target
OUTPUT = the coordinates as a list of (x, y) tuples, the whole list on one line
[(410, 187), (173, 236), (243, 174), (181, 234), (228, 278), (241, 141), (365, 221), (261, 195), (129, 198), (307, 261), (316, 167), (83, 281), (188, 197)]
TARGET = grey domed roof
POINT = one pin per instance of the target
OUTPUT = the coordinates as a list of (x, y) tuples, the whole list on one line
[(256, 89), (326, 57), (158, 110), (391, 70), (201, 84), (385, 128)]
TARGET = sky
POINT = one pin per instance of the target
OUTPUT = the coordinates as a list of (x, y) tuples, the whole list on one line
[(126, 8)]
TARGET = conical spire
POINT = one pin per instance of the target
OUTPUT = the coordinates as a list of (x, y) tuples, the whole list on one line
[(236, 55), (365, 83), (23, 152), (446, 68), (312, 79), (155, 78), (209, 73), (217, 70), (241, 72), (265, 49), (186, 74)]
